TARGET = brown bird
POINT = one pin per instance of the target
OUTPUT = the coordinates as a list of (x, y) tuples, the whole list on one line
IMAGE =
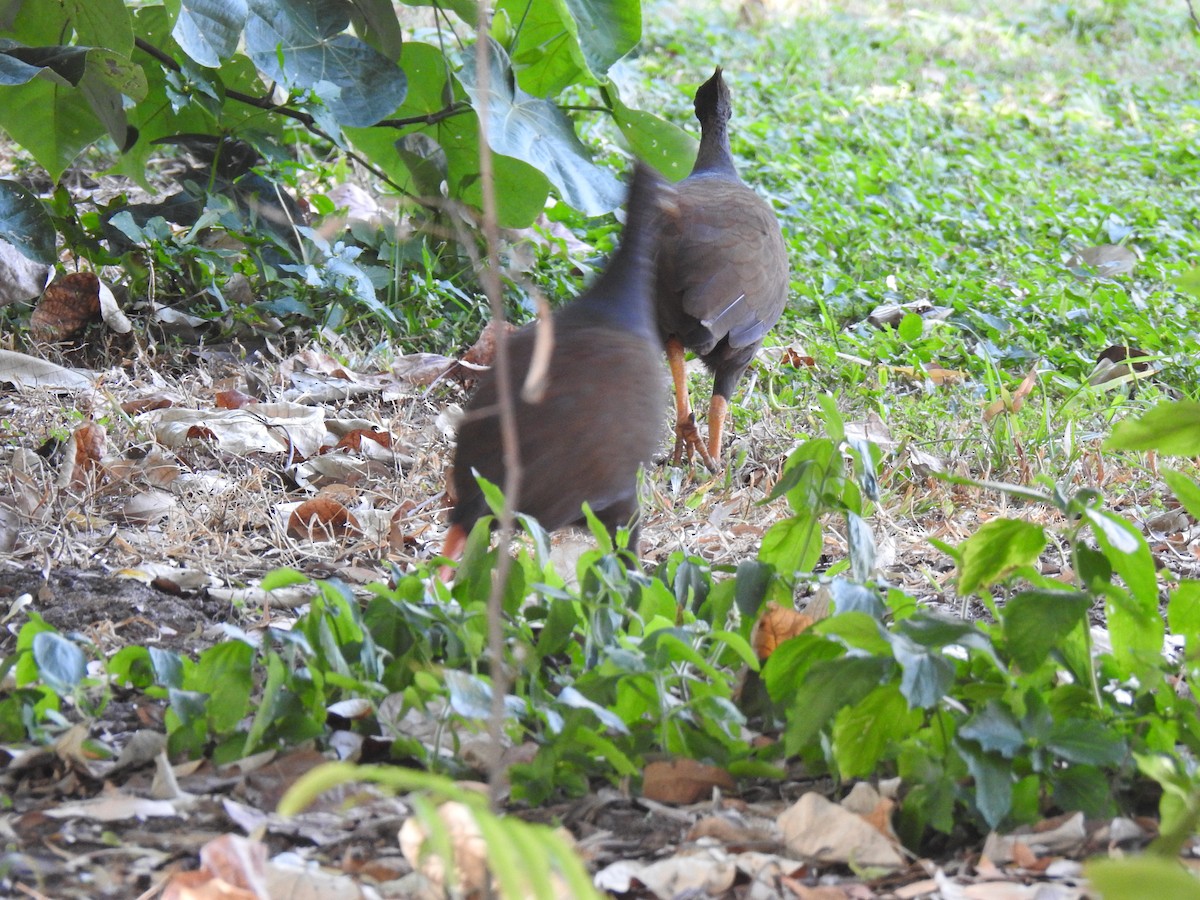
[(722, 276), (600, 417)]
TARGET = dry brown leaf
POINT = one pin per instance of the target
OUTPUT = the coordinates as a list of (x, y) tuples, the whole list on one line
[(483, 351), (233, 399), (466, 840), (322, 519), (145, 404), (776, 625), (84, 452), (1014, 401), (683, 781), (67, 307), (353, 440), (202, 886), (815, 828)]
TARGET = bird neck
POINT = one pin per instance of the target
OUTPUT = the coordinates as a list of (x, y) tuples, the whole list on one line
[(622, 293), (714, 156)]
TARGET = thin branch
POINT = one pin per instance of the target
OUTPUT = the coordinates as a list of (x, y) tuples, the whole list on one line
[(268, 105), (1192, 15), (490, 277)]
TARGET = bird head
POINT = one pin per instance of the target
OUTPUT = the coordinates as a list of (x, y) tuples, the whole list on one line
[(712, 99)]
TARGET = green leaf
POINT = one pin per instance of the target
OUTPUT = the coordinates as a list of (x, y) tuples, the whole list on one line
[(25, 224), (1036, 621), (753, 579), (536, 132), (169, 667), (662, 144), (911, 328), (1183, 612), (995, 729), (571, 697), (61, 664), (995, 549), (301, 43), (606, 29), (862, 732), (54, 123), (1185, 489), (1172, 427), (993, 785), (927, 674), (792, 545), (223, 673), (829, 685), (209, 30), (1135, 878), (851, 597), (1086, 741), (102, 23)]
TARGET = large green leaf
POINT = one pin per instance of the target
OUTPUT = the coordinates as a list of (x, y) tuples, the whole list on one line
[(54, 123), (663, 145), (995, 549), (1036, 621), (25, 224), (606, 29), (1172, 427), (537, 132), (101, 23), (520, 188), (302, 43), (209, 30)]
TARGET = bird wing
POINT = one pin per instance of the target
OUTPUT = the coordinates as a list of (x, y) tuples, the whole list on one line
[(726, 260)]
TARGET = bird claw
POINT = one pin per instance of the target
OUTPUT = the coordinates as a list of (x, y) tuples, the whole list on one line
[(687, 441)]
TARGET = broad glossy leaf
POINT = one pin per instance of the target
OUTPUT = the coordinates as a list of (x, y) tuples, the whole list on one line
[(752, 579), (546, 56), (223, 672), (61, 664), (1036, 621), (209, 30), (857, 629), (25, 224), (995, 549), (169, 667), (851, 597), (54, 123), (538, 133), (302, 43), (1172, 427), (102, 23), (662, 144), (862, 546)]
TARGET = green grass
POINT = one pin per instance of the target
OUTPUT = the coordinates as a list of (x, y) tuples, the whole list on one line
[(960, 153)]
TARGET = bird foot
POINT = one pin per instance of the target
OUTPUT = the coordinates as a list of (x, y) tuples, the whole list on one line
[(687, 441)]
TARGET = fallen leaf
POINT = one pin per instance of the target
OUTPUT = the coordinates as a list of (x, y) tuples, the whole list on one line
[(683, 781), (776, 625), (322, 519), (815, 828), (66, 309)]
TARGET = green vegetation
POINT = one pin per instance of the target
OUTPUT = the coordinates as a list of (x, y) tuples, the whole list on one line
[(969, 158)]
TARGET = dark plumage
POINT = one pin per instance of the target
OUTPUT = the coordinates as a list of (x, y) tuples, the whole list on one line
[(722, 273), (601, 415)]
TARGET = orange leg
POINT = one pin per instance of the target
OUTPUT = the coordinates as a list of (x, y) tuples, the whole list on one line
[(687, 436), (452, 548), (718, 408)]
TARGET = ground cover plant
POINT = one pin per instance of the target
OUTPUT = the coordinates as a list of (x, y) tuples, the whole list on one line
[(953, 556)]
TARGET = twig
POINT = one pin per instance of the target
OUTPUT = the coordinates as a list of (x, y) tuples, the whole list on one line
[(490, 277), (1192, 15), (268, 105)]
